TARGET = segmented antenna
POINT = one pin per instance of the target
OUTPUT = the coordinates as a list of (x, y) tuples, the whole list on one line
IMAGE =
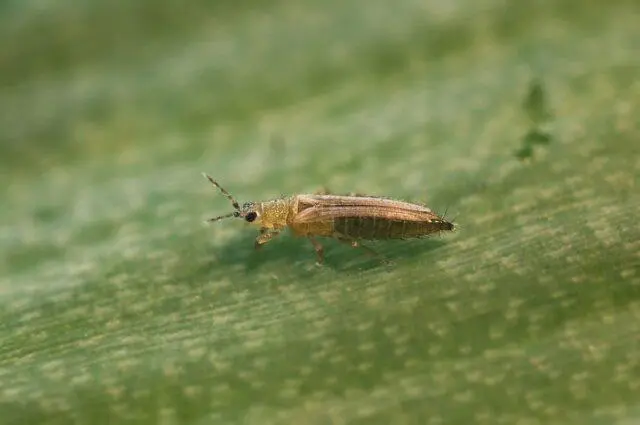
[(224, 192), (231, 199)]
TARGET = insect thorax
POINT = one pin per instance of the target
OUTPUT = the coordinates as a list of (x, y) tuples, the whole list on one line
[(276, 212)]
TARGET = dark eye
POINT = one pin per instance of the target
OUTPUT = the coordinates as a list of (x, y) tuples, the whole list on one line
[(251, 216)]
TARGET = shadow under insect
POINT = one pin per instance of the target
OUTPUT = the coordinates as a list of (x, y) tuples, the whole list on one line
[(290, 249)]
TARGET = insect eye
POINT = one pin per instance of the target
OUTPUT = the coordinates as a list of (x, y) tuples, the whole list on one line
[(251, 216)]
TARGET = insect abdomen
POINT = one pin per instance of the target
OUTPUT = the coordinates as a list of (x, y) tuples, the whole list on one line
[(370, 228)]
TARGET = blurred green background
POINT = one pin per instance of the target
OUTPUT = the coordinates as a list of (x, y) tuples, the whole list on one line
[(118, 305)]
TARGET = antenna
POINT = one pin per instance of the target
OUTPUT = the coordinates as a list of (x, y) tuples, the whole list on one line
[(224, 192), (231, 199), (233, 214)]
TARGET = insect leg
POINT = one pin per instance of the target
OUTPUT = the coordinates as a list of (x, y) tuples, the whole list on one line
[(264, 237), (354, 243), (318, 247)]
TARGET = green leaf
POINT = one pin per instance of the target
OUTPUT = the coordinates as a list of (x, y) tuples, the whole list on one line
[(118, 305)]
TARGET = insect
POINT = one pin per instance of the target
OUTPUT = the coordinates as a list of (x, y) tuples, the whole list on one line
[(348, 219)]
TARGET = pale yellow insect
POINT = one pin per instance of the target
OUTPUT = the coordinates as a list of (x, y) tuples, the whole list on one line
[(346, 218)]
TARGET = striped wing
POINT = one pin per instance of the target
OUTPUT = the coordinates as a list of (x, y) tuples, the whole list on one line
[(356, 201), (322, 213)]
